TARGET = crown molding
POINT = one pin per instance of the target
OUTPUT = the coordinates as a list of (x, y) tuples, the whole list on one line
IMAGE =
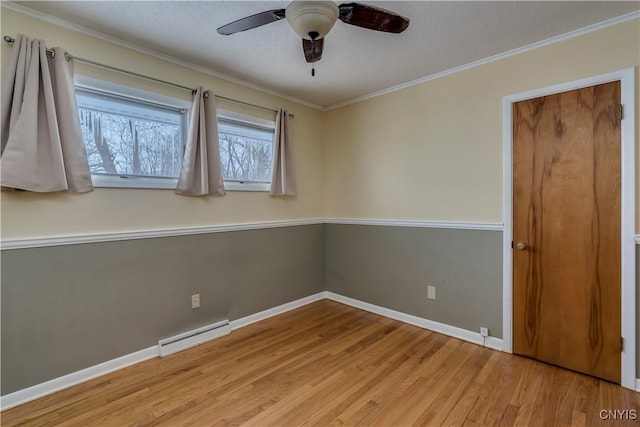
[(150, 52), (555, 39), (493, 58)]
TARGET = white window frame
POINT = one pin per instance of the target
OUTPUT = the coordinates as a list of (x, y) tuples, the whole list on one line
[(251, 121), (147, 182), (132, 181)]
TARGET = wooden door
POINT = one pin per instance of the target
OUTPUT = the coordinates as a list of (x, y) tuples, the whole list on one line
[(566, 228)]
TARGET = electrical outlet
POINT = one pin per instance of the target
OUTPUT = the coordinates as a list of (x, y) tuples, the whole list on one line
[(195, 301), (484, 332), (431, 292)]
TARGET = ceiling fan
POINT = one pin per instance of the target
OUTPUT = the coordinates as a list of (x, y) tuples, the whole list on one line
[(312, 20)]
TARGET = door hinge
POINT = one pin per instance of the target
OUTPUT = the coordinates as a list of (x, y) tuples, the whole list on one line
[(621, 344), (620, 112)]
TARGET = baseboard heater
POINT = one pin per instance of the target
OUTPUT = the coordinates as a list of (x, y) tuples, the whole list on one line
[(192, 338)]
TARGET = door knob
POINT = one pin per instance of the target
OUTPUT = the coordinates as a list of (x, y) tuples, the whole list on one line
[(522, 245)]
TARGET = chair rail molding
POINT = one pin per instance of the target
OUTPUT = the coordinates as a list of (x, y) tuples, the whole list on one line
[(36, 242)]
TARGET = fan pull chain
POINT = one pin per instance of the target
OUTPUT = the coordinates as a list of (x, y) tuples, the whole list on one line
[(313, 55)]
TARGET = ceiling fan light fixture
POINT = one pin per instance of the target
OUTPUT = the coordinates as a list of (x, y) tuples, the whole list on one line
[(312, 20)]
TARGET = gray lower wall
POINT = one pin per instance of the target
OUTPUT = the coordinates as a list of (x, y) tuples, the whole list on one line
[(69, 307), (392, 266)]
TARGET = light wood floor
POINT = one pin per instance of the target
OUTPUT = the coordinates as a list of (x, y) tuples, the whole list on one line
[(329, 364)]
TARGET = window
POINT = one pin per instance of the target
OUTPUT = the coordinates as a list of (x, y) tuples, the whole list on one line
[(136, 139), (246, 151), (131, 142)]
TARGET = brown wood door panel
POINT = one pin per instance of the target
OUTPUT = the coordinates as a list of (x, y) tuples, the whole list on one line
[(566, 206)]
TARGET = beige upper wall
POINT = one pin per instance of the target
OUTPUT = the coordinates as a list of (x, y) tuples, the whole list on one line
[(429, 152), (27, 215), (434, 151)]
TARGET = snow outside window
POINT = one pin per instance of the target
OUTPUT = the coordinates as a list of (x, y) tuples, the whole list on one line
[(246, 152), (133, 142)]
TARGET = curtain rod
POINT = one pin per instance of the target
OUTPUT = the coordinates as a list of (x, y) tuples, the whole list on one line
[(10, 39)]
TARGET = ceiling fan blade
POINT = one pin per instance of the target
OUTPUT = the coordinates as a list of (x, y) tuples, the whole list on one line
[(313, 49), (373, 18), (252, 21)]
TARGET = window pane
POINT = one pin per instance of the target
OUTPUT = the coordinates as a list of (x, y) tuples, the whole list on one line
[(125, 137), (246, 152)]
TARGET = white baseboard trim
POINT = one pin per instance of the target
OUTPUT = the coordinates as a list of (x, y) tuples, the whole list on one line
[(40, 390), (48, 387), (263, 315), (638, 385), (452, 331)]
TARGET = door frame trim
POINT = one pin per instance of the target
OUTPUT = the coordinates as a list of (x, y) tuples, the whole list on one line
[(628, 214)]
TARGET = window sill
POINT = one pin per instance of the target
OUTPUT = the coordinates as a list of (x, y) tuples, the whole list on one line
[(246, 186), (114, 181)]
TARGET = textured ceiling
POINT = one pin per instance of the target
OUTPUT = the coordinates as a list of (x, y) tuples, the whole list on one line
[(356, 62)]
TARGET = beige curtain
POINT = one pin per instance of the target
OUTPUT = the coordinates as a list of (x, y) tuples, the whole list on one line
[(283, 180), (201, 173), (42, 147)]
